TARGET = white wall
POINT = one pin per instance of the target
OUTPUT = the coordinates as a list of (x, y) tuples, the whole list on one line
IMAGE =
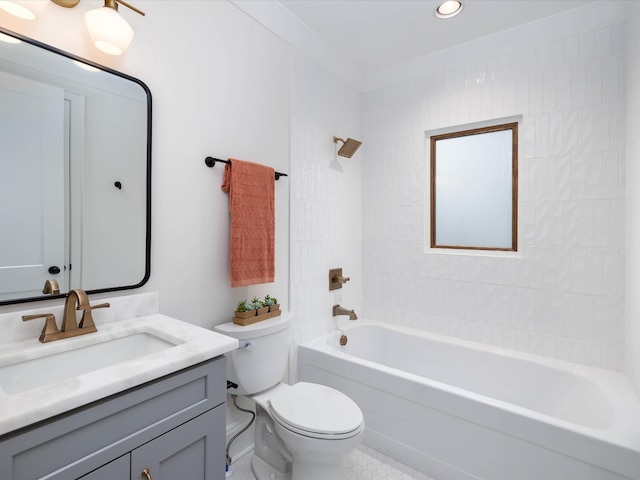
[(220, 84), (325, 199), (562, 296), (632, 299)]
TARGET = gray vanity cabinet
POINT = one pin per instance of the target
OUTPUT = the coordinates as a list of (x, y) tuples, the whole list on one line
[(185, 452), (173, 426), (120, 468)]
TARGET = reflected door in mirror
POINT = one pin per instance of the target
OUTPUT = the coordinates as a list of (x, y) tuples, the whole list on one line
[(32, 201)]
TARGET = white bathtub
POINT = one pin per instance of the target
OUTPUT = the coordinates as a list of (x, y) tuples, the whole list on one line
[(460, 410)]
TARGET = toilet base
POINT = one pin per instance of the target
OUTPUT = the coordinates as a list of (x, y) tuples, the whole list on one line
[(300, 471), (310, 471), (263, 471)]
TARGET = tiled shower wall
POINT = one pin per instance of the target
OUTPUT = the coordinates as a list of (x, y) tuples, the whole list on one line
[(325, 200), (632, 203), (562, 295)]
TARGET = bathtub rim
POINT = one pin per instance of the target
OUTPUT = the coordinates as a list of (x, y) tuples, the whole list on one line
[(625, 402)]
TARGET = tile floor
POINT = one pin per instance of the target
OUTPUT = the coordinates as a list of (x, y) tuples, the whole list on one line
[(364, 463)]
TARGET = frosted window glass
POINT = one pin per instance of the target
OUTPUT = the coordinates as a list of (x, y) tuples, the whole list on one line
[(473, 189)]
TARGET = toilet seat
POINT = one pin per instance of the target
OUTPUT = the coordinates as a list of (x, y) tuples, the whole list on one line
[(316, 411)]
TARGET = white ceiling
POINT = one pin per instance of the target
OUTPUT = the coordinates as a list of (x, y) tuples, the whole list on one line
[(375, 34)]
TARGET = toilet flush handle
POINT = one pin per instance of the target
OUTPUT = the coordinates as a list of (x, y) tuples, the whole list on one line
[(246, 346)]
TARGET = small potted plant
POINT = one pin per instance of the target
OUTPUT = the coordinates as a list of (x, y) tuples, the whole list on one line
[(259, 306), (272, 303), (245, 311)]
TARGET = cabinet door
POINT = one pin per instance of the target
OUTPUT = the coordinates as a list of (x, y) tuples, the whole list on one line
[(119, 469), (194, 450)]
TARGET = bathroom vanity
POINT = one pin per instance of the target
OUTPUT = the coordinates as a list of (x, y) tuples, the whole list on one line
[(139, 398), (173, 427)]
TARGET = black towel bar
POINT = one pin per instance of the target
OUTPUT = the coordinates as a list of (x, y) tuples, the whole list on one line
[(210, 162)]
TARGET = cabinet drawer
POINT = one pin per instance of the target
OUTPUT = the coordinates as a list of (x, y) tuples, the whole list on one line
[(193, 451), (72, 444)]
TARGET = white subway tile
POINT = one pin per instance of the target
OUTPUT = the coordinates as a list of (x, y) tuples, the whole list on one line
[(594, 354), (594, 271), (611, 81), (602, 134), (586, 223), (563, 177), (570, 131), (578, 352), (563, 87), (570, 231), (610, 356), (578, 177), (557, 134), (593, 79), (578, 270), (587, 46), (593, 175), (586, 125), (550, 90), (563, 270), (579, 84)]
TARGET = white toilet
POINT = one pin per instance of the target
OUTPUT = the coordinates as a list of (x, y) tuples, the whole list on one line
[(303, 431)]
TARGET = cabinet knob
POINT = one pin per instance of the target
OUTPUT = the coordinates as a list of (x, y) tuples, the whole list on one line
[(146, 474)]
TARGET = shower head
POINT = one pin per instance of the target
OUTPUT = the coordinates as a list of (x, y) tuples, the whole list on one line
[(349, 146)]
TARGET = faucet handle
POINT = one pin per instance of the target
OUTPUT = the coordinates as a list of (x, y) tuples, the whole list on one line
[(87, 319), (49, 328), (336, 280)]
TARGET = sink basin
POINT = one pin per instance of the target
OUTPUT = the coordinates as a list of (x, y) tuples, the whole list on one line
[(55, 367), (38, 381)]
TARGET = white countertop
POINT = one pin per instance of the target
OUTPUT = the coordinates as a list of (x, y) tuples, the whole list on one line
[(194, 345)]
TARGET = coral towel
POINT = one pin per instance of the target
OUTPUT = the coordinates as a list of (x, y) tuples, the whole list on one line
[(251, 204)]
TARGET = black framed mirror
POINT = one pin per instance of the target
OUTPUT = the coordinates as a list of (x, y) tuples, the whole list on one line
[(75, 181)]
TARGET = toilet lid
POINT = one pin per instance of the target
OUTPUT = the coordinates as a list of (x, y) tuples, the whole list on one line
[(316, 410)]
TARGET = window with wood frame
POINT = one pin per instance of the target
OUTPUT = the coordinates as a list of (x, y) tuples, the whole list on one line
[(474, 189)]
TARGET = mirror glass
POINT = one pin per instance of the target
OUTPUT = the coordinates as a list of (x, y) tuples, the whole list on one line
[(75, 161), (474, 188)]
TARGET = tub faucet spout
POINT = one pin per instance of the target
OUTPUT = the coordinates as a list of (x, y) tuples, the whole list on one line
[(338, 310)]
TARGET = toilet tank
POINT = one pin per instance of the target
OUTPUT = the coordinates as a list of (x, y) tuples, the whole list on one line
[(261, 360)]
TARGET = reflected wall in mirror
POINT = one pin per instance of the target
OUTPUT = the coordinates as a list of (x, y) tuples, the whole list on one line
[(474, 188), (75, 163)]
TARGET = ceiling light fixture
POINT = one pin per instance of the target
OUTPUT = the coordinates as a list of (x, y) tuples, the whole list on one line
[(448, 9), (27, 10), (108, 30)]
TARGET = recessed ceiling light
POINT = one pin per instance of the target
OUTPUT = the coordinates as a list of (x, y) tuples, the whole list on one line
[(449, 9)]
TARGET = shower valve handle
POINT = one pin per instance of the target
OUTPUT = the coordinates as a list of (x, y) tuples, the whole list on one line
[(336, 280)]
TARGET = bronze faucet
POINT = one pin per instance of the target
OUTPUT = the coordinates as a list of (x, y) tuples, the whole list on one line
[(338, 310), (76, 300), (51, 287)]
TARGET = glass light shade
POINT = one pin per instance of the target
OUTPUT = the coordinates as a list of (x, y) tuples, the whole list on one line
[(25, 9), (109, 32)]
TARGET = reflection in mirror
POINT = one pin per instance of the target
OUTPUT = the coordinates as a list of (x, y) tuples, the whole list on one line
[(75, 158), (474, 180)]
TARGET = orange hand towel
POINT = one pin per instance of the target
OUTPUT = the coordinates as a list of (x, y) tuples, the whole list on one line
[(251, 203)]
